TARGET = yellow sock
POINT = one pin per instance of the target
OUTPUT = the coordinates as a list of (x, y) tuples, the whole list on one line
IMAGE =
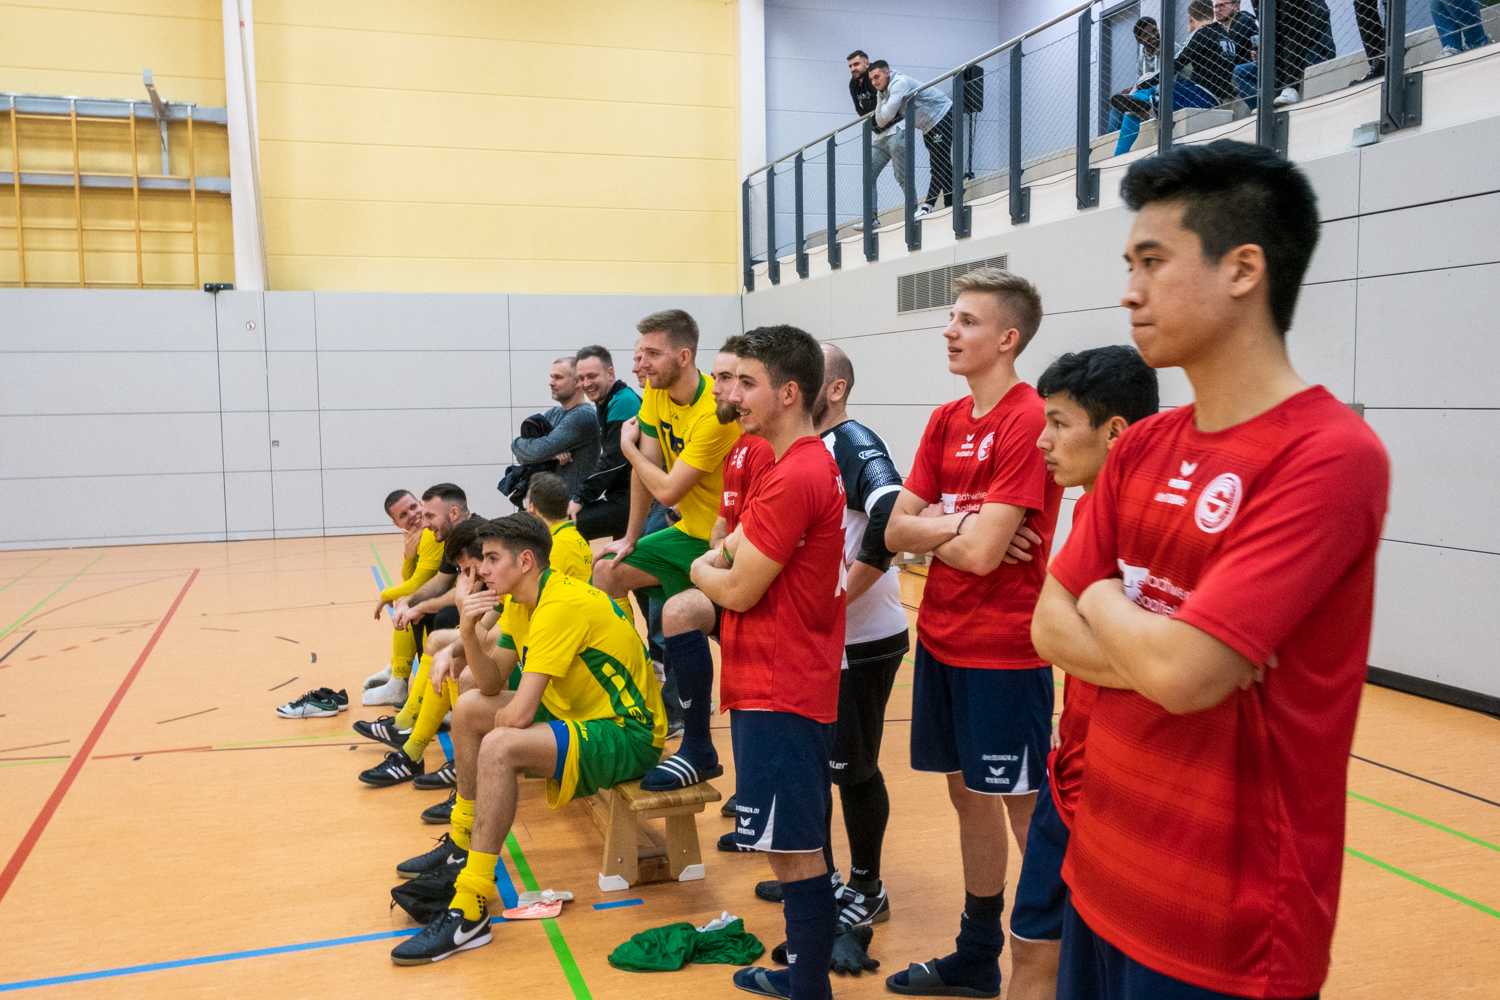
[(462, 821), (434, 708), (403, 651), (407, 717), (475, 884)]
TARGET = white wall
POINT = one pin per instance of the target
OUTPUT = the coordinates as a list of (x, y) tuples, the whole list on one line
[(1397, 313), (156, 416)]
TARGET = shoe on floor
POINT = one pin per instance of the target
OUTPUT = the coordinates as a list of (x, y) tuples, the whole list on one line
[(1287, 96), (678, 772), (727, 809), (769, 890), (446, 855), (443, 777), (318, 704), (394, 770), (921, 979), (378, 678), (392, 692), (383, 730), (442, 813), (859, 910), (729, 845), (764, 982), (448, 935)]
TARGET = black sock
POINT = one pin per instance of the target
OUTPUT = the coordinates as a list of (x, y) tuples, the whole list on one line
[(693, 664), (976, 961), (867, 809), (811, 923)]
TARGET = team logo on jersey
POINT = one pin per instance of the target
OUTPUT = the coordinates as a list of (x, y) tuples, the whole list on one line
[(1218, 503), (868, 454), (984, 446), (739, 458)]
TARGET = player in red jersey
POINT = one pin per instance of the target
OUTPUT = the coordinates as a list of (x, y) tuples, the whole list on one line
[(1219, 590), (981, 697), (689, 619), (780, 579), (1091, 396)]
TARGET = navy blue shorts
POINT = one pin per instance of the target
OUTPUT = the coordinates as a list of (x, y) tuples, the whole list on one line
[(993, 725), (1091, 968), (1037, 912), (783, 795)]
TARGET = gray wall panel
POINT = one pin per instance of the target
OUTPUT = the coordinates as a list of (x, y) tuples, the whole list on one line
[(378, 321), (1435, 614), (110, 510), (1322, 339), (297, 501), (910, 367), (1337, 256), (352, 497), (97, 319), (247, 504), (242, 380), (1430, 237), (295, 440), (371, 439), (240, 323), (561, 324), (291, 321), (292, 380), (115, 445), (1335, 179), (418, 380), (247, 442), (1430, 166), (109, 382), (1442, 461)]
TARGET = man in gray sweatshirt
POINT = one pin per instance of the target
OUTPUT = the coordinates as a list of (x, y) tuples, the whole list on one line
[(574, 439)]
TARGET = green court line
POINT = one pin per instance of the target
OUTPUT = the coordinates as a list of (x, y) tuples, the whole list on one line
[(1428, 822), (554, 933), (29, 572), (342, 737), (13, 625), (381, 563), (1423, 882), (28, 763)]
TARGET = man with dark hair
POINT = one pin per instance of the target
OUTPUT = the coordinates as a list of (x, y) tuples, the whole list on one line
[(679, 426), (573, 441), (421, 554), (547, 498), (601, 505), (887, 145), (587, 713), (1091, 397), (780, 579), (1204, 75), (1219, 591), (860, 89), (929, 111), (981, 696)]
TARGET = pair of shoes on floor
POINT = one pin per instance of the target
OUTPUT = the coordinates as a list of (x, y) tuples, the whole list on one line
[(442, 813), (1287, 96), (317, 704)]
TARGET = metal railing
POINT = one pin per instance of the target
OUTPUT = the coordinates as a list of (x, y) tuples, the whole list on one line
[(1075, 90)]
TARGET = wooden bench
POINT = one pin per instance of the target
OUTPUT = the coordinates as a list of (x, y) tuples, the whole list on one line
[(633, 851)]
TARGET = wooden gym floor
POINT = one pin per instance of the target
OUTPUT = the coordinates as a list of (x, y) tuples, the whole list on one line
[(166, 834)]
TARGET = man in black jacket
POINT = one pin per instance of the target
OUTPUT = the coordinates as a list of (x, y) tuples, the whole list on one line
[(860, 87), (1205, 75), (601, 505)]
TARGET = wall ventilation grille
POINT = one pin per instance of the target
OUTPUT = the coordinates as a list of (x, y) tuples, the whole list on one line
[(934, 289)]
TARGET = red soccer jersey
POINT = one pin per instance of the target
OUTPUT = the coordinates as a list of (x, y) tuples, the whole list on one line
[(784, 654), (985, 621), (742, 467), (1208, 846), (1065, 764)]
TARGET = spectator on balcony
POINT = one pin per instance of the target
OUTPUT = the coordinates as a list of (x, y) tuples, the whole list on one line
[(1372, 36), (929, 111), (1458, 25), (1203, 71), (860, 88), (1242, 29), (888, 145), (1296, 29), (1147, 64)]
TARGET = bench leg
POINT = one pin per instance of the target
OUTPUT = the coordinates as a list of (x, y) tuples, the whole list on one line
[(684, 860), (620, 868)]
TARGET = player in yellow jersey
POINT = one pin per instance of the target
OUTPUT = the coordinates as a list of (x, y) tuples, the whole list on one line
[(588, 713), (421, 555), (547, 498), (678, 426)]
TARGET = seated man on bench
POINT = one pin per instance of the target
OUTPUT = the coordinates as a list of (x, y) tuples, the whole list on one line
[(587, 713)]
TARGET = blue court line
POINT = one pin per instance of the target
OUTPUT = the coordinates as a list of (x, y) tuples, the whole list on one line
[(619, 903), (230, 956), (379, 580), (447, 743)]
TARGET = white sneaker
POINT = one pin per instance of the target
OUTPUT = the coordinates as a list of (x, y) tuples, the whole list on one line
[(392, 692), (375, 680), (1287, 96), (1449, 50), (922, 209)]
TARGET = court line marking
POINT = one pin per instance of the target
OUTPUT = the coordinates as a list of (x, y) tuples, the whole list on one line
[(17, 646), (554, 933), (33, 746), (37, 760), (106, 593), (342, 738), (31, 571), (381, 563), (189, 715), (1439, 784), (1423, 882), (619, 903), (28, 842), (285, 683), (13, 625), (1428, 822)]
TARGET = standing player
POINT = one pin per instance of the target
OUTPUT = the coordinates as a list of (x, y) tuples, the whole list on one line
[(689, 618), (678, 423), (780, 580), (981, 697), (1208, 847), (1091, 397)]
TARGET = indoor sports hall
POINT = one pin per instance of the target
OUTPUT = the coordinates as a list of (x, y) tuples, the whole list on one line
[(270, 271)]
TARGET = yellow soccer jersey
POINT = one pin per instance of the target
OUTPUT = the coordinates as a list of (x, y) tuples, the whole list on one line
[(692, 434), (415, 572), (571, 555), (594, 656)]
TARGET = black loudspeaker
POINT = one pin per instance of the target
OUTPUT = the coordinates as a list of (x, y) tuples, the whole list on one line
[(973, 89)]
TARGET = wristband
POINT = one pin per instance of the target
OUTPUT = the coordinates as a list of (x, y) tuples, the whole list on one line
[(959, 530), (724, 551)]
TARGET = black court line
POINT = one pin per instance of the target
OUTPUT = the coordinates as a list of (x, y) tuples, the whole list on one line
[(189, 715), (315, 658), (34, 746), (1439, 784), (281, 685), (284, 746), (210, 628), (17, 646), (285, 639)]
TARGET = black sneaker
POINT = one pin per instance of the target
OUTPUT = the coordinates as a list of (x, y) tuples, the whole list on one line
[(859, 910), (727, 809), (383, 730), (448, 935), (769, 890), (341, 697), (442, 813), (443, 777), (395, 769), (446, 854), (318, 704)]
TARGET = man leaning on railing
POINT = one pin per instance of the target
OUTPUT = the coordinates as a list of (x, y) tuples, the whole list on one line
[(931, 114)]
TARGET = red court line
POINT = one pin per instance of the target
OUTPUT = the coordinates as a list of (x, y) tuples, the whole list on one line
[(28, 842)]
